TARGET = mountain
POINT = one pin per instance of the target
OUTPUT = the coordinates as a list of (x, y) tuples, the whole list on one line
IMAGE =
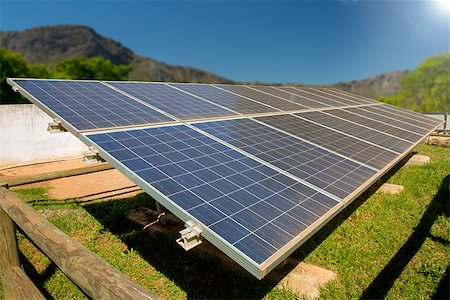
[(386, 84), (51, 44)]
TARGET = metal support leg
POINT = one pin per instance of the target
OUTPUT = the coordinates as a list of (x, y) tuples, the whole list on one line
[(161, 213)]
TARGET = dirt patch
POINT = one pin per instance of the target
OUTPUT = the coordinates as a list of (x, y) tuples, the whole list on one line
[(98, 185)]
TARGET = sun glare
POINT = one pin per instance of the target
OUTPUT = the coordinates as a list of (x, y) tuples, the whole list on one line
[(444, 4)]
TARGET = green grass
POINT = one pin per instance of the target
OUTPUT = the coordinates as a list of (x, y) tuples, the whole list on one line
[(382, 246)]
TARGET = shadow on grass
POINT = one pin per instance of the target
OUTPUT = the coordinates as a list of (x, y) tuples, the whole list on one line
[(384, 281), (38, 279), (199, 277), (443, 290)]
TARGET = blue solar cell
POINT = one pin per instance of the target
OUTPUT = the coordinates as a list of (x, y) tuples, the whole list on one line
[(90, 105), (256, 248), (233, 195), (304, 160), (228, 100), (347, 146), (172, 101), (380, 138)]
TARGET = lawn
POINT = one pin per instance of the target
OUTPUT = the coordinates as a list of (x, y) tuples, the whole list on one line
[(382, 246)]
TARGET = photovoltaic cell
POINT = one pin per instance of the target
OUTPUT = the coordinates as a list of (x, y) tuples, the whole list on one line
[(373, 136), (413, 117), (323, 93), (262, 97), (369, 112), (291, 97), (355, 115), (328, 171), (228, 100), (347, 146), (351, 97), (315, 97), (89, 104), (176, 103), (245, 202)]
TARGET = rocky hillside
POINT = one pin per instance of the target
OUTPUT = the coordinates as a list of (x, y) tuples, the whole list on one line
[(386, 84), (51, 44)]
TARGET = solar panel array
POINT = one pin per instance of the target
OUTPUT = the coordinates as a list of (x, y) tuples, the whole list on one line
[(89, 105), (260, 168)]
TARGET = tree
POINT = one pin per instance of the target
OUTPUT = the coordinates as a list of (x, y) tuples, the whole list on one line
[(89, 68), (14, 65), (427, 89)]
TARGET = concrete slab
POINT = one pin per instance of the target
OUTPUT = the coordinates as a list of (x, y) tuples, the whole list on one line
[(442, 140), (418, 160), (307, 279), (390, 188)]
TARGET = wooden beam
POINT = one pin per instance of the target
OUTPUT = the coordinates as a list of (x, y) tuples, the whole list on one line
[(18, 286), (58, 174), (95, 277), (9, 256), (8, 243)]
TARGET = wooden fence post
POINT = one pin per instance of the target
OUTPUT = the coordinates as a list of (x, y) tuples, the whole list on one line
[(9, 256)]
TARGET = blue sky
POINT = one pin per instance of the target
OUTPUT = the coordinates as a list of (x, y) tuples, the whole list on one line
[(271, 41)]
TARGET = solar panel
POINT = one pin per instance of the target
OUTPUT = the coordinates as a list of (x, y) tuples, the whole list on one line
[(323, 93), (326, 170), (408, 125), (312, 96), (228, 100), (357, 115), (173, 101), (409, 116), (343, 95), (365, 133), (87, 105), (259, 186), (255, 210), (262, 97), (285, 94), (361, 151)]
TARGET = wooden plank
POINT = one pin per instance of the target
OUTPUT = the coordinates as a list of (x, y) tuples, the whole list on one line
[(95, 277), (9, 256), (18, 286), (58, 174), (8, 243)]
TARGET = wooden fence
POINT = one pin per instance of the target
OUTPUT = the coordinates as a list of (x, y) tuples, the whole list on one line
[(90, 273)]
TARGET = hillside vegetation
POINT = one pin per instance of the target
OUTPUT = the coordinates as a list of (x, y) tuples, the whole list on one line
[(427, 89)]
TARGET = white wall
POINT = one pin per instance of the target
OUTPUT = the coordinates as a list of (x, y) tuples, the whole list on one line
[(24, 137)]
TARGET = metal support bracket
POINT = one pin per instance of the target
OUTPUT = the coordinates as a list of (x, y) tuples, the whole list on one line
[(91, 156), (190, 236), (55, 127), (161, 213)]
